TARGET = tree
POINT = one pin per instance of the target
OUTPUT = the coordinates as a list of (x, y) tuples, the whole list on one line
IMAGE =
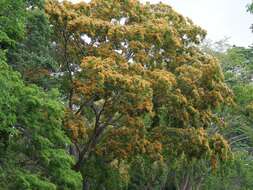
[(31, 55), (236, 63), (32, 142), (11, 22), (132, 73), (235, 174)]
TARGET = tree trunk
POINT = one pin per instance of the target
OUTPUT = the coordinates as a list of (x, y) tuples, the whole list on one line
[(86, 184), (186, 185)]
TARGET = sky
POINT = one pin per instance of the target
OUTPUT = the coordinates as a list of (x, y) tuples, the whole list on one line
[(221, 18)]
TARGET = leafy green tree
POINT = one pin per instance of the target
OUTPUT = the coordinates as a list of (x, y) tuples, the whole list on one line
[(31, 55), (236, 63), (235, 174), (11, 22), (32, 142)]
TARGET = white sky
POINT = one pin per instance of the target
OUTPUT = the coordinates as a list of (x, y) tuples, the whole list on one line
[(221, 18)]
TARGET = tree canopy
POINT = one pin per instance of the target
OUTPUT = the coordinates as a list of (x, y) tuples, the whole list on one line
[(134, 71), (119, 95)]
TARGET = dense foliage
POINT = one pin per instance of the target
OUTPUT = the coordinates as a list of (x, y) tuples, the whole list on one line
[(118, 95)]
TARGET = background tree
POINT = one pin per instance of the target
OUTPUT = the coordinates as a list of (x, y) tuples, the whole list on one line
[(31, 55), (236, 63), (11, 22)]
